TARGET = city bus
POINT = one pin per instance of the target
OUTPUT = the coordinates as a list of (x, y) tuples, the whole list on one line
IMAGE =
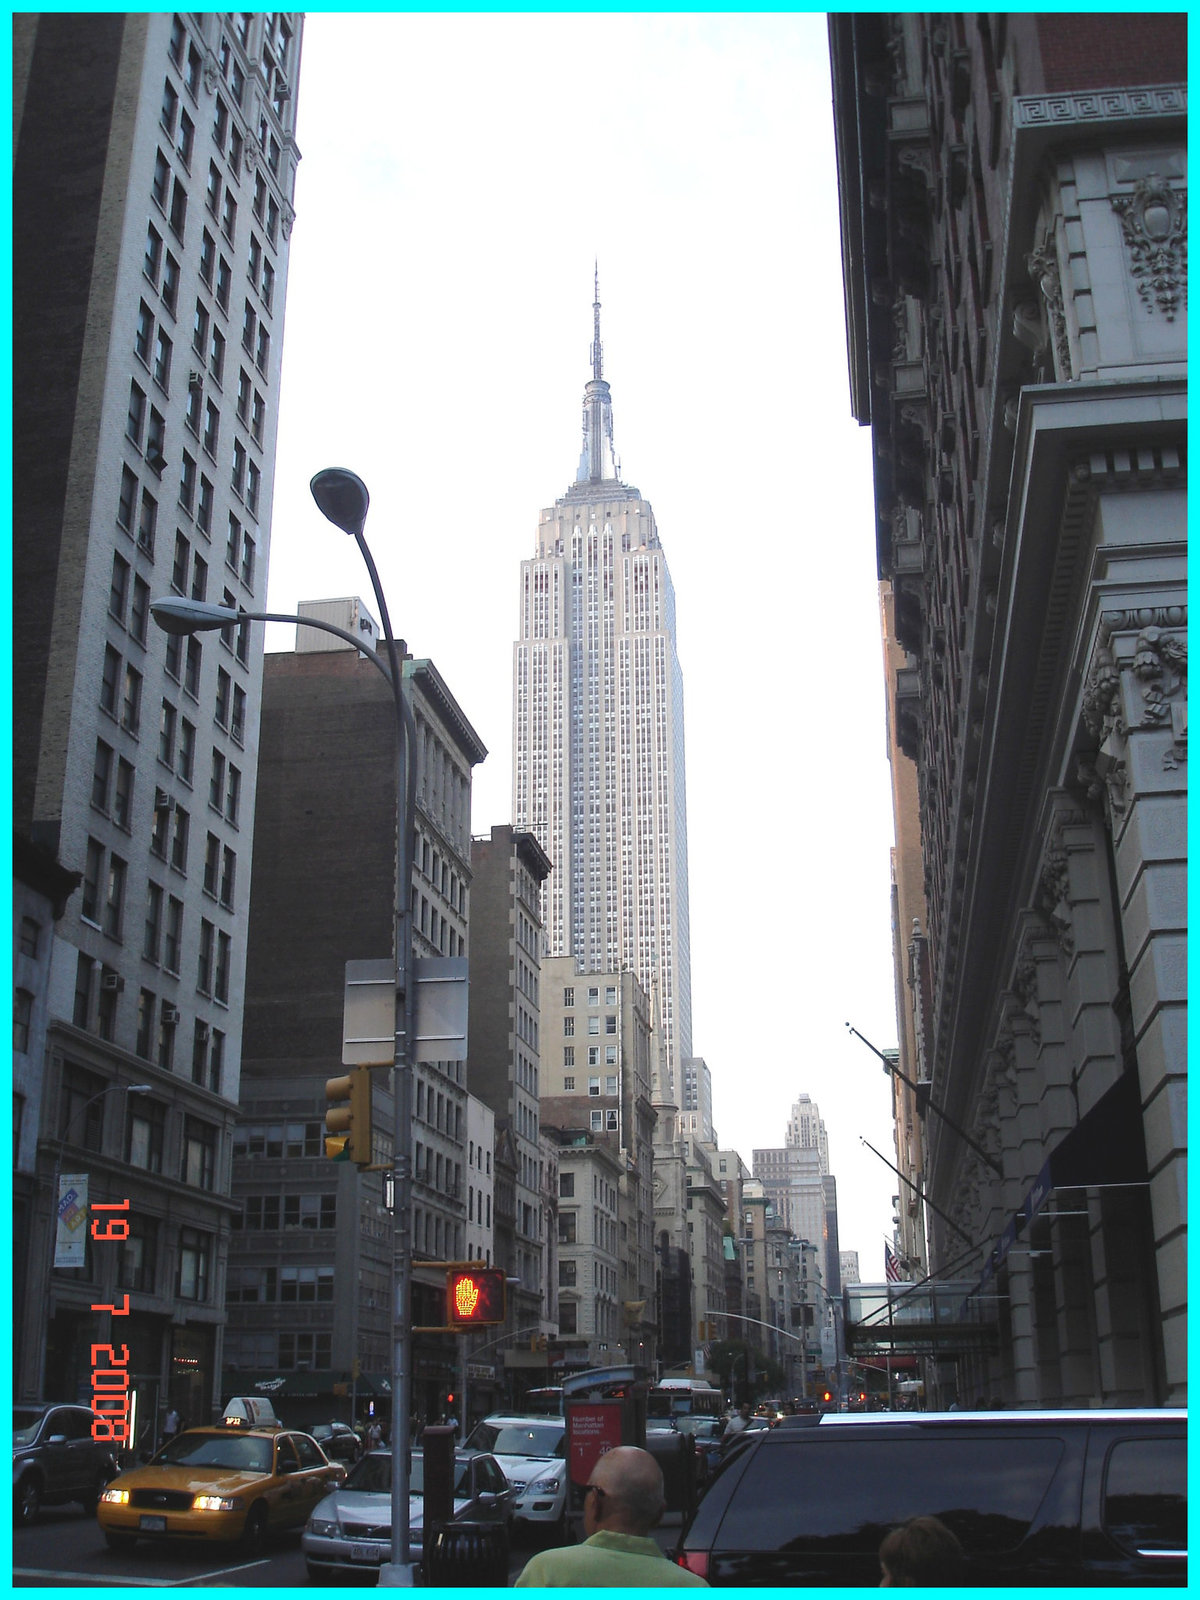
[(673, 1398)]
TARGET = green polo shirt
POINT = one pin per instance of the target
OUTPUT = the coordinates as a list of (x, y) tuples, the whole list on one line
[(607, 1561)]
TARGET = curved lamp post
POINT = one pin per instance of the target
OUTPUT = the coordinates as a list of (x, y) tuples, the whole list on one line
[(343, 498)]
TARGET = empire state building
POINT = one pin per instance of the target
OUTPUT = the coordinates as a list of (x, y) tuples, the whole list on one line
[(598, 757)]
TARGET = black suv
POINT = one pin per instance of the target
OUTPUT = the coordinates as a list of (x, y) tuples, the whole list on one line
[(1035, 1498), (55, 1459)]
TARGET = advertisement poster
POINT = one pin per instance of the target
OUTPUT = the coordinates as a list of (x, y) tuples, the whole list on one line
[(70, 1238)]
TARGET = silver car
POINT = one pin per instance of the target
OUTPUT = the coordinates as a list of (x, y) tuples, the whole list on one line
[(56, 1459), (351, 1529)]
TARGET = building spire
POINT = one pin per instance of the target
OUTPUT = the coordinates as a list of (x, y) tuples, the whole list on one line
[(598, 459), (597, 348)]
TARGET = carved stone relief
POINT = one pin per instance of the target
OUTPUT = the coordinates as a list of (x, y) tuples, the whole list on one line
[(1052, 898), (1154, 222), (1160, 666), (1042, 264)]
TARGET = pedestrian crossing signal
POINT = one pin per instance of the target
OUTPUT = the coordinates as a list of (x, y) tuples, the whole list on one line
[(475, 1299)]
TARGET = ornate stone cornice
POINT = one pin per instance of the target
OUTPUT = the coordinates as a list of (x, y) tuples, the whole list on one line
[(1104, 105)]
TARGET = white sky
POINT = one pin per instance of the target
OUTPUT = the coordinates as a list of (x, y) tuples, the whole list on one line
[(460, 173)]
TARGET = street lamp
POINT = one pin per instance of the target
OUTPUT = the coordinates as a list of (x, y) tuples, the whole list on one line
[(343, 498), (127, 1088)]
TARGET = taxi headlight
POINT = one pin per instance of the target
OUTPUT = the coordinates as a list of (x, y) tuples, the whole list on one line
[(216, 1502), (115, 1497), (546, 1485), (324, 1527)]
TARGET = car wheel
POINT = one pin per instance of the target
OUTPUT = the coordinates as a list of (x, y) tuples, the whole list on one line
[(119, 1541), (27, 1501), (254, 1535)]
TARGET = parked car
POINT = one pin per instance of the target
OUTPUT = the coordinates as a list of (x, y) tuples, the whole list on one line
[(221, 1483), (1091, 1498), (56, 1460), (351, 1529), (338, 1440), (532, 1452)]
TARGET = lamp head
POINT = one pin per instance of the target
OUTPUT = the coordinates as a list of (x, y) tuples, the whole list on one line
[(342, 497), (177, 616)]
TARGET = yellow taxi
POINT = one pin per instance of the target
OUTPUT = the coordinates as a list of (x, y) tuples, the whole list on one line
[(237, 1480)]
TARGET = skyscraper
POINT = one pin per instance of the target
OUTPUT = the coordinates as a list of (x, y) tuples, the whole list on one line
[(154, 163), (598, 750)]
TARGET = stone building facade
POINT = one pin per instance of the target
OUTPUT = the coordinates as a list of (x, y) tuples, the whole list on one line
[(153, 177), (324, 895), (1013, 198)]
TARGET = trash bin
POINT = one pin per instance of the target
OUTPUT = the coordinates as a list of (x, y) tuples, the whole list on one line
[(467, 1555)]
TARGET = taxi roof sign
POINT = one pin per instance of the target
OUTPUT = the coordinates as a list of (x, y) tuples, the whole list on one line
[(249, 1411)]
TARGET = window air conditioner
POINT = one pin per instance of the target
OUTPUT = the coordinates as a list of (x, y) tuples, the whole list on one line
[(170, 1015), (195, 379), (113, 982)]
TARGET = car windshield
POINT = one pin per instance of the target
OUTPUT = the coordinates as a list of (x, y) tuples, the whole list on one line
[(217, 1450), (25, 1425), (543, 1439), (373, 1475)]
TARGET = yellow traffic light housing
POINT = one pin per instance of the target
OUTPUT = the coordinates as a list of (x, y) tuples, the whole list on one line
[(349, 1124), (475, 1299)]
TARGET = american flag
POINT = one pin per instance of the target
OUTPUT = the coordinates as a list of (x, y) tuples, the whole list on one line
[(891, 1264)]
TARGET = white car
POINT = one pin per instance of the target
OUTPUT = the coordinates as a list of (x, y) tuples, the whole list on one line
[(532, 1452)]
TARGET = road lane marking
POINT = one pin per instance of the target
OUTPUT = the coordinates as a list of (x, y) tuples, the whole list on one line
[(121, 1579)]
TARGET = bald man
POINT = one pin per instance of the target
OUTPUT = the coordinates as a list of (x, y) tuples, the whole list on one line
[(623, 1501)]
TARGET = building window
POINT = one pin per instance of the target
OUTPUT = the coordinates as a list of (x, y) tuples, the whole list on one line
[(127, 499), (81, 1109), (566, 1184), (205, 959), (179, 839), (198, 1166), (101, 775), (137, 1263), (145, 1022), (173, 934), (568, 1055), (568, 1084), (30, 936), (153, 927), (22, 1019), (221, 974), (567, 1274), (187, 750), (568, 1026), (593, 1026), (610, 1121), (567, 1226), (610, 1023), (114, 899), (145, 1133), (597, 1122), (195, 1253), (568, 1313), (170, 283)]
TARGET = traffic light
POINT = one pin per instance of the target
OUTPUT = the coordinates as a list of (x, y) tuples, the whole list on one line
[(475, 1299), (350, 1124)]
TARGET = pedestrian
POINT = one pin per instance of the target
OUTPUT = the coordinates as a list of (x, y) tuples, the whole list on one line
[(623, 1501), (739, 1420), (922, 1554), (374, 1435), (170, 1425)]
